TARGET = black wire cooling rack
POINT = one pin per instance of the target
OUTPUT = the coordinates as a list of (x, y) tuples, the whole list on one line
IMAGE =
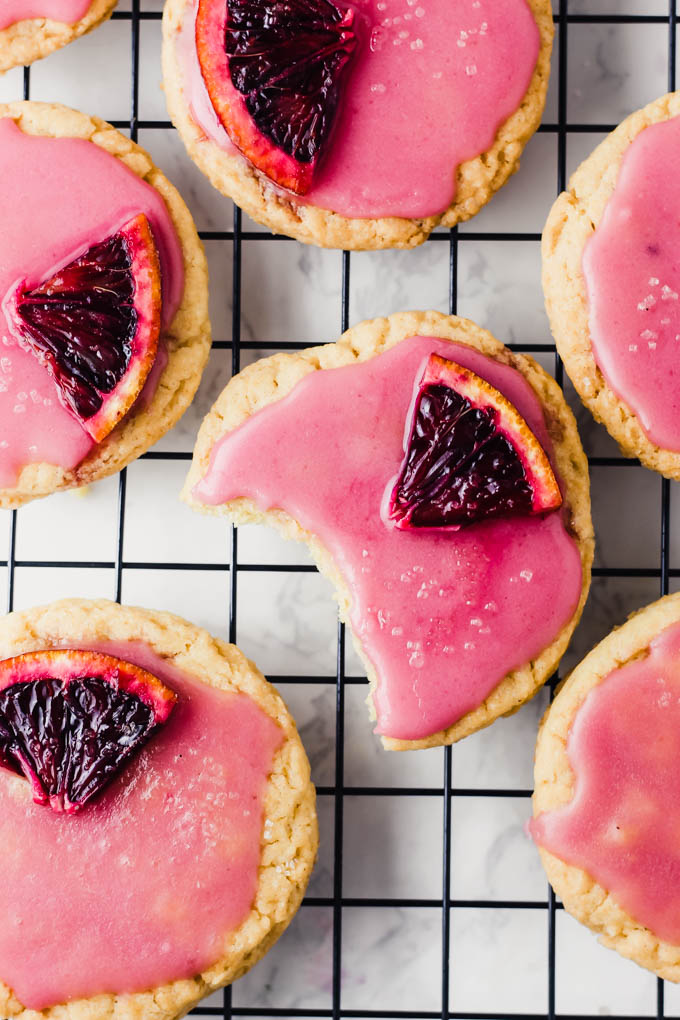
[(447, 792)]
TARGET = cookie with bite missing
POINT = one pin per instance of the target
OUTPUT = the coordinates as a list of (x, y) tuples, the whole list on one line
[(442, 573)]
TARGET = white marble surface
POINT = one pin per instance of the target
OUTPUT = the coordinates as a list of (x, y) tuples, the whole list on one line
[(391, 957)]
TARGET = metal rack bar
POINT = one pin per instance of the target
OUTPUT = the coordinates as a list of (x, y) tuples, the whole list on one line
[(338, 814), (664, 545), (447, 813), (562, 122), (580, 19)]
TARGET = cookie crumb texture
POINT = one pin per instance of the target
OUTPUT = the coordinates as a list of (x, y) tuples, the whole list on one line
[(290, 838), (584, 897), (273, 378), (186, 338), (477, 179), (26, 41), (571, 223)]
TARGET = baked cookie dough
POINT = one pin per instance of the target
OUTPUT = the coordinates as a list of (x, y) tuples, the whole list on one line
[(572, 222), (290, 836), (29, 40), (477, 179), (589, 901), (273, 378), (186, 338)]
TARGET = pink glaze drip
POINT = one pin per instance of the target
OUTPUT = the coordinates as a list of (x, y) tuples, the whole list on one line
[(60, 195), (142, 886), (443, 616), (430, 85), (632, 272), (623, 822), (67, 11)]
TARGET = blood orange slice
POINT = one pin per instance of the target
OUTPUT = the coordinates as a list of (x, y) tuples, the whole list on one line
[(273, 70), (71, 720), (470, 456), (95, 325)]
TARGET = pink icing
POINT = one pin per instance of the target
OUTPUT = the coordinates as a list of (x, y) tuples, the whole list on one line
[(142, 886), (443, 616), (622, 823), (632, 273), (431, 83), (68, 11), (60, 196)]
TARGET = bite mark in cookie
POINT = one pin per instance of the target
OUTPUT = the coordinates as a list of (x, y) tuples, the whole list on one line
[(451, 625)]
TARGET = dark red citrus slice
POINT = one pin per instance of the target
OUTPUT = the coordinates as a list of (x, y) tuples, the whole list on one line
[(273, 70), (71, 720), (470, 456), (95, 325)]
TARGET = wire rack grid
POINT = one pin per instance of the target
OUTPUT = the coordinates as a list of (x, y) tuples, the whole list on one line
[(447, 792)]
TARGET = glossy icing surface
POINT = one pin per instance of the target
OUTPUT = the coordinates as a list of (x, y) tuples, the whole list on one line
[(622, 823), (67, 11), (430, 84), (141, 887), (443, 616), (631, 266), (43, 226)]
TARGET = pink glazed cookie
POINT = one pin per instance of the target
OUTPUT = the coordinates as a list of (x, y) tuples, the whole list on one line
[(31, 29), (611, 277), (180, 873), (455, 625), (606, 816), (419, 114), (89, 381)]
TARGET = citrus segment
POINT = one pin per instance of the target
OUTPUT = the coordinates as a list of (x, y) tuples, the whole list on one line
[(470, 456), (71, 720), (95, 324), (273, 70)]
